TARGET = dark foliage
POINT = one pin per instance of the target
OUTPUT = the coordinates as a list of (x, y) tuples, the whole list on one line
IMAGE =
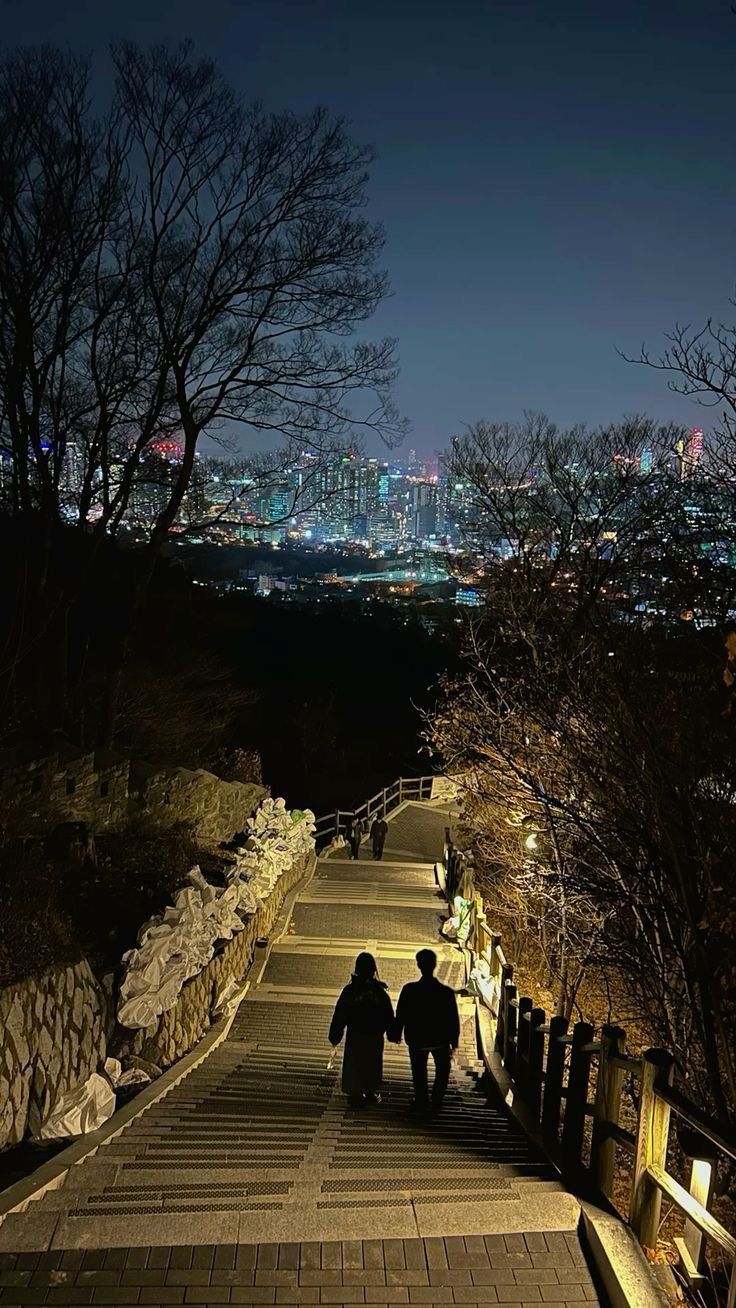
[(36, 930), (59, 908), (137, 873)]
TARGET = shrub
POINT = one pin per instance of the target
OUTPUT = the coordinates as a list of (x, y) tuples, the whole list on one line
[(138, 872), (36, 931)]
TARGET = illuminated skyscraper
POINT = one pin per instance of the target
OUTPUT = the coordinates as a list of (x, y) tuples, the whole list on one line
[(690, 453)]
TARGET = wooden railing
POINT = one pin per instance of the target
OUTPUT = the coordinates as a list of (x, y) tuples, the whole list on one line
[(551, 1069), (333, 824)]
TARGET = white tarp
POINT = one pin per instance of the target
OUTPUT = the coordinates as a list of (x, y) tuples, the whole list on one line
[(481, 984), (457, 927), (179, 943), (82, 1109), (135, 1076)]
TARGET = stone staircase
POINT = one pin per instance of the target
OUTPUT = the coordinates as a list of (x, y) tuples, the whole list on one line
[(258, 1147)]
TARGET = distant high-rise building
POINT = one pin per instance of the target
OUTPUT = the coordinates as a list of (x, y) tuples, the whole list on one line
[(154, 482), (349, 491), (690, 453), (423, 509)]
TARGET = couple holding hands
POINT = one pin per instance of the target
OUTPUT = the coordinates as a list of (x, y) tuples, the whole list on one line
[(426, 1018)]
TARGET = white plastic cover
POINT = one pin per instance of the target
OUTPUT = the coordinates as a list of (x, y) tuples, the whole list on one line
[(481, 984), (177, 944), (457, 927), (124, 1080), (82, 1109), (225, 996)]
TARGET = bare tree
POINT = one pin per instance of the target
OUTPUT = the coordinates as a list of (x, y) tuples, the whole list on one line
[(593, 706), (183, 263), (701, 363)]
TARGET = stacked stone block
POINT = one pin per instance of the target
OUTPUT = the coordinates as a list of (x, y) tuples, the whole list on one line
[(36, 794), (217, 809), (53, 1039), (55, 1026), (101, 789)]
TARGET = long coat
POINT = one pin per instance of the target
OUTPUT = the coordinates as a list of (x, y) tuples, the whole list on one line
[(365, 1011), (379, 831)]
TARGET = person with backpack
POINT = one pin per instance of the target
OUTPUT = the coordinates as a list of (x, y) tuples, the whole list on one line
[(365, 1011), (428, 1019)]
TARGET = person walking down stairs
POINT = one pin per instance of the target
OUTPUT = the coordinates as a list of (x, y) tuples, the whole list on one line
[(427, 1017), (354, 835), (378, 833), (365, 1011)]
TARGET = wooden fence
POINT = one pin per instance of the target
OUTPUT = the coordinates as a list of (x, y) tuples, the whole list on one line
[(333, 824), (552, 1069)]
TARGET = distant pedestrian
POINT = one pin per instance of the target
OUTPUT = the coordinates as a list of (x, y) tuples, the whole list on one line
[(427, 1017), (379, 831), (354, 835), (365, 1011)]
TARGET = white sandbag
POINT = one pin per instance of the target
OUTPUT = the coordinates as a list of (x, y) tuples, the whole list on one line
[(457, 927), (120, 1080), (178, 943), (83, 1109), (135, 1076), (224, 996), (481, 984)]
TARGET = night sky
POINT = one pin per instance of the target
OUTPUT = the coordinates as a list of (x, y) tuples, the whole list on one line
[(556, 179)]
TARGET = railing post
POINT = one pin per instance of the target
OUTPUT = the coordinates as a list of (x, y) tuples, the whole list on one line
[(607, 1108), (494, 944), (510, 1028), (535, 1061), (691, 1244), (554, 1076), (651, 1146), (505, 974), (522, 1045), (576, 1102), (337, 821), (478, 914)]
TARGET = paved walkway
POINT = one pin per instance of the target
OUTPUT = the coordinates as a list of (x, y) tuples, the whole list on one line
[(253, 1182)]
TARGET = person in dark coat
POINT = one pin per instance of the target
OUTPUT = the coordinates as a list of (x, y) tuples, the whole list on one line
[(427, 1017), (354, 835), (365, 1011), (379, 831)]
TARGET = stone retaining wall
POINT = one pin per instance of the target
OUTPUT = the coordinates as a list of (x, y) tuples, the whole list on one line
[(105, 791), (217, 809), (177, 1031), (54, 1029)]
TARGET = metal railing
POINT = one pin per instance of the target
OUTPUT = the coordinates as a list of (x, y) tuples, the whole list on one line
[(550, 1069), (333, 824)]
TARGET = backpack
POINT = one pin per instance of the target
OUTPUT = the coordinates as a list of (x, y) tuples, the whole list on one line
[(367, 1007)]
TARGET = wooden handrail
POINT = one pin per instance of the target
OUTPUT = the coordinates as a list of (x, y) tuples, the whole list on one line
[(681, 1105), (382, 800), (550, 1068), (621, 1135), (626, 1064), (696, 1213)]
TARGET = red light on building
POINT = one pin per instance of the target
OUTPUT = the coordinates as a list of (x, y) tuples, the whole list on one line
[(166, 449)]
